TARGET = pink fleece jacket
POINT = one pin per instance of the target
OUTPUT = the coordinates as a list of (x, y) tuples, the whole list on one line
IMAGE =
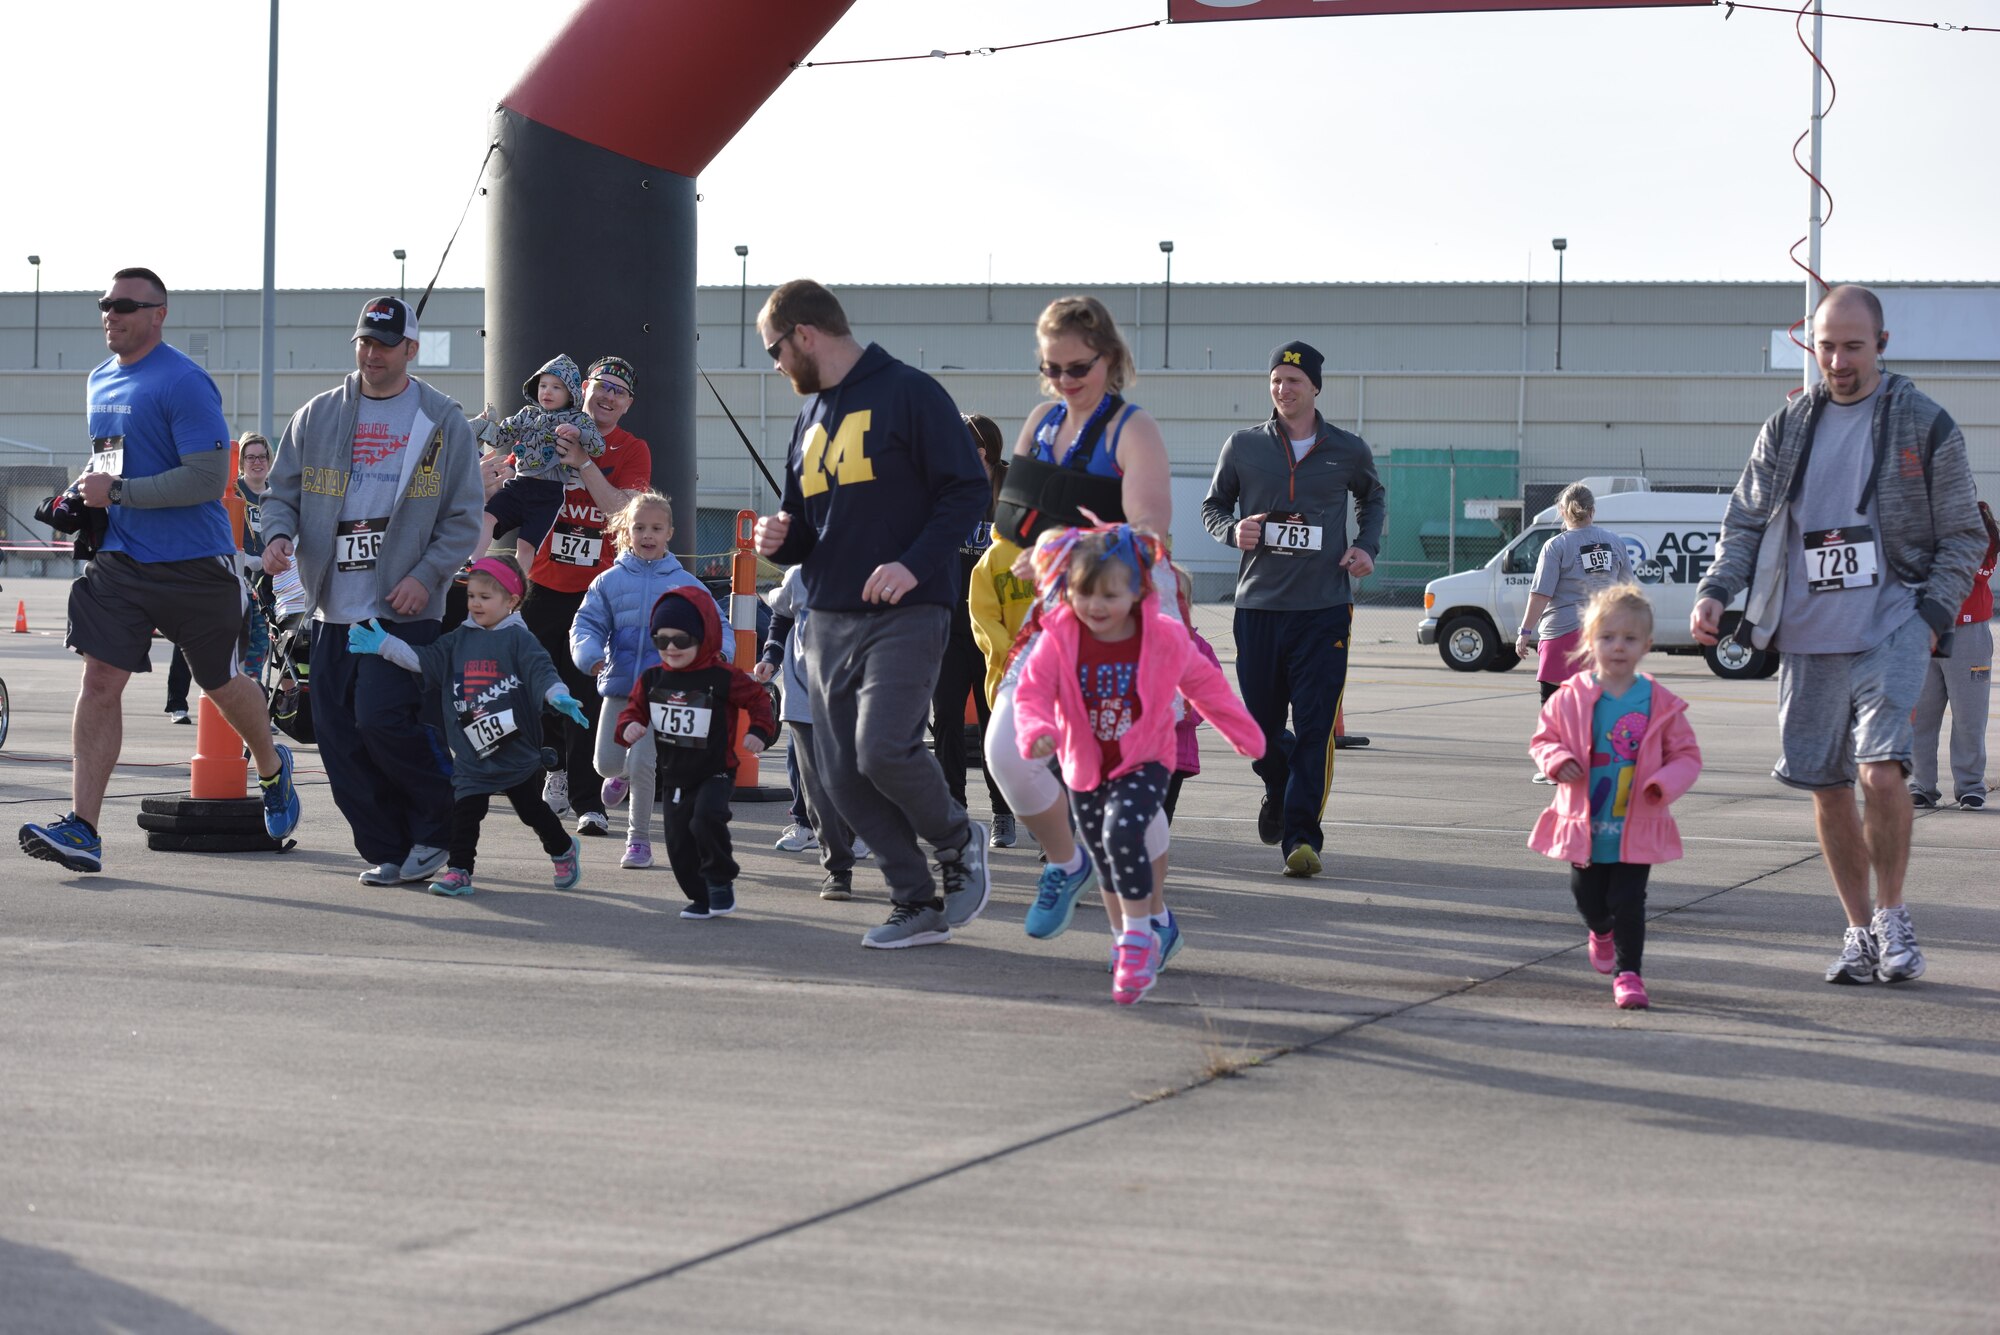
[(1187, 747), (1668, 756), (1048, 702)]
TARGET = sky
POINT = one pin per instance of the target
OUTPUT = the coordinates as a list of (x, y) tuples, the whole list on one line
[(1431, 148)]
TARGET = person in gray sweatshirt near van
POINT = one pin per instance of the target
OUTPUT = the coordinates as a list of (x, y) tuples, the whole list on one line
[(375, 493), (1280, 497), (1571, 569), (1856, 529)]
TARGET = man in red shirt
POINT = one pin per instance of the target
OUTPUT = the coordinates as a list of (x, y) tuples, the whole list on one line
[(1962, 678), (573, 553)]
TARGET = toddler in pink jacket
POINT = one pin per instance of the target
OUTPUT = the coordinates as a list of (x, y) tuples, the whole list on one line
[(1620, 750), (1098, 692)]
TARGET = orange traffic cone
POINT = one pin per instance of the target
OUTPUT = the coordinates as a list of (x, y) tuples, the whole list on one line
[(20, 616)]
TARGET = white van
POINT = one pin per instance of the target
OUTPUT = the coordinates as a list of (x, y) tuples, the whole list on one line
[(1669, 536)]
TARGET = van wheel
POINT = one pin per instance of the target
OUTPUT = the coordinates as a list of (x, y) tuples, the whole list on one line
[(1468, 643), (1770, 668), (1738, 662), (1504, 659)]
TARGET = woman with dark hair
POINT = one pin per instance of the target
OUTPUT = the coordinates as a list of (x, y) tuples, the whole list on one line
[(964, 667), (1085, 450)]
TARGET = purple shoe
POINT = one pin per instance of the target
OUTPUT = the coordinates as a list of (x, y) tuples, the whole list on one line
[(1137, 968), (614, 790), (1629, 991)]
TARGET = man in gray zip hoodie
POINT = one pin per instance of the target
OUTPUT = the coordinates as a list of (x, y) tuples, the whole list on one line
[(1290, 478), (375, 491), (1856, 529)]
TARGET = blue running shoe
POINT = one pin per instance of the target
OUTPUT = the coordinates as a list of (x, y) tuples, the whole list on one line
[(1055, 898), (69, 840), (1170, 938), (281, 800)]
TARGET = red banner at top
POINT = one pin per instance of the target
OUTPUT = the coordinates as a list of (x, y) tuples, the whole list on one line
[(1212, 11)]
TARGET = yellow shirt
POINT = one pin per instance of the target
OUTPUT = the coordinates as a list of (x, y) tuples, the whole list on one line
[(1000, 603)]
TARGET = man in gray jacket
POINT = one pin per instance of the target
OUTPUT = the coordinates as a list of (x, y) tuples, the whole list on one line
[(1289, 478), (375, 492), (1856, 529)]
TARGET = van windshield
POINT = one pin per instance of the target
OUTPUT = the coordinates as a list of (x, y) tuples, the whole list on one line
[(1521, 557)]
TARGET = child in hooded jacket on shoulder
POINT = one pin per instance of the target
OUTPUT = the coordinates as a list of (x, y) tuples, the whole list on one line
[(610, 640), (495, 677), (528, 501), (1097, 692), (1620, 750), (689, 702)]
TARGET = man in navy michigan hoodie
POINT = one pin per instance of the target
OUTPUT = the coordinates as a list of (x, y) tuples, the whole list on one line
[(881, 482)]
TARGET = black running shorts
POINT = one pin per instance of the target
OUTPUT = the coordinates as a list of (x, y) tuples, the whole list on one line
[(199, 604)]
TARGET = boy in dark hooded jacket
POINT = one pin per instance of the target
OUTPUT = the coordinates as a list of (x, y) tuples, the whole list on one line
[(690, 702)]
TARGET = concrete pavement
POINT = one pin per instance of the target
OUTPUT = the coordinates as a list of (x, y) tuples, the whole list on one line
[(246, 1093)]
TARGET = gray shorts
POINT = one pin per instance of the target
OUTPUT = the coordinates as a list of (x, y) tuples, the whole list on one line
[(199, 604), (1837, 711)]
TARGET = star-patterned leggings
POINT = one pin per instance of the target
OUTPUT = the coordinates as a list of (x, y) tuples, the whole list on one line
[(1112, 819)]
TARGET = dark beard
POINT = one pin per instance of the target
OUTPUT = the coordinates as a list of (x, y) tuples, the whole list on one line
[(805, 377)]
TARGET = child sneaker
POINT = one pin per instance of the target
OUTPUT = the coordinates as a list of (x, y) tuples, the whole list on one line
[(1055, 898), (1629, 991), (569, 867), (638, 853), (614, 790), (452, 882), (1603, 954), (1137, 968)]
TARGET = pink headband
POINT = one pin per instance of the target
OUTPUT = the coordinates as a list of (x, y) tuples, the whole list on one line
[(500, 573)]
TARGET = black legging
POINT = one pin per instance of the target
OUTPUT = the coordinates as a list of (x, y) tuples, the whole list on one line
[(962, 670), (526, 797), (1112, 819), (548, 613), (1613, 895)]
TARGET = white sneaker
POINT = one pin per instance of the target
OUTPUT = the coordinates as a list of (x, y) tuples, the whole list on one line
[(555, 792), (593, 823), (797, 839), (1900, 960), (861, 848)]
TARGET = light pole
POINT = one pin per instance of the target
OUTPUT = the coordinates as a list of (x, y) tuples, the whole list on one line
[(1167, 325), (402, 273), (1561, 244), (743, 309), (36, 260)]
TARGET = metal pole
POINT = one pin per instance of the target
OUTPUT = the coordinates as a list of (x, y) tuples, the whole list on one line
[(1451, 519), (1167, 324), (38, 313), (1814, 289), (267, 344), (743, 309), (1559, 310)]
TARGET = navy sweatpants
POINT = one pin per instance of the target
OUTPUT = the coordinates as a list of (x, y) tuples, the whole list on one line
[(385, 768), (1294, 662)]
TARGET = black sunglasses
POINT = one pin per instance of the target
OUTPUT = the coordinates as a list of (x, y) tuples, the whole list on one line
[(1074, 371), (771, 349), (674, 639), (125, 305)]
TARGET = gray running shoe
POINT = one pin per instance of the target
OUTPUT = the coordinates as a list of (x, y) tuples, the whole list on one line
[(910, 925), (837, 885), (1858, 958), (968, 881), (1900, 959), (423, 863), (1003, 831)]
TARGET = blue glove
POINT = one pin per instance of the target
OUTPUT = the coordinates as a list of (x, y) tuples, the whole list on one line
[(564, 704), (366, 637)]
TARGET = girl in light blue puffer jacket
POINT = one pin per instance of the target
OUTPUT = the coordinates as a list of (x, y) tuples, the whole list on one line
[(609, 639)]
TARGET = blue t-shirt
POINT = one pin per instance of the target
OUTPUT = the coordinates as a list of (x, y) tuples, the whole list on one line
[(142, 420), (1617, 723)]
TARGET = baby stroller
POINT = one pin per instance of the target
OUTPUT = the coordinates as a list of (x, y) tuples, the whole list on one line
[(288, 670)]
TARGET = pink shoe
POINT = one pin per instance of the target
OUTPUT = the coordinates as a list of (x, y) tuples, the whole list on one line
[(638, 853), (1629, 991), (1137, 967), (614, 790), (1603, 955)]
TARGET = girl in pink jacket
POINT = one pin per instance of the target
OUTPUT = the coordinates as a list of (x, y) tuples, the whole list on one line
[(1098, 693), (1619, 748)]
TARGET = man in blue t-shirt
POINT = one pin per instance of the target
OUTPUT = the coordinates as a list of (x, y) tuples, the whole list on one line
[(159, 463)]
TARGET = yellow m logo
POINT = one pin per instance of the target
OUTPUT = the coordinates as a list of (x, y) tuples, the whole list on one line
[(1294, 359)]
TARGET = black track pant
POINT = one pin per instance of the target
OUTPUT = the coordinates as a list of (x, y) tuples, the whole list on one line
[(1611, 896), (526, 796)]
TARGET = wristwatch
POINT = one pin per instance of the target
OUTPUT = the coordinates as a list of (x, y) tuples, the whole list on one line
[(116, 496)]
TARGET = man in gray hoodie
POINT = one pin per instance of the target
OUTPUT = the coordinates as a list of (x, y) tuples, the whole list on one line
[(375, 492), (1288, 479), (1856, 529)]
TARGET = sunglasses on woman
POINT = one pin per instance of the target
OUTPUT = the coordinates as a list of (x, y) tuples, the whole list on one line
[(1074, 371)]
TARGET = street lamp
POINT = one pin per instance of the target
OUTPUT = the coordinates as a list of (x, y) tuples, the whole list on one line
[(743, 309), (36, 260), (1561, 244), (1167, 335), (402, 273)]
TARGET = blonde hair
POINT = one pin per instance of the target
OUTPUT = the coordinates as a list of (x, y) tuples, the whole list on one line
[(1087, 318), (1618, 600), (1577, 504), (619, 526)]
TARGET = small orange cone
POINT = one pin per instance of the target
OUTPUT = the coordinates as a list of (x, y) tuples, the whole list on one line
[(20, 616)]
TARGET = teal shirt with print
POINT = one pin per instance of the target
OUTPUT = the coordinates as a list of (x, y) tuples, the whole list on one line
[(1617, 723)]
